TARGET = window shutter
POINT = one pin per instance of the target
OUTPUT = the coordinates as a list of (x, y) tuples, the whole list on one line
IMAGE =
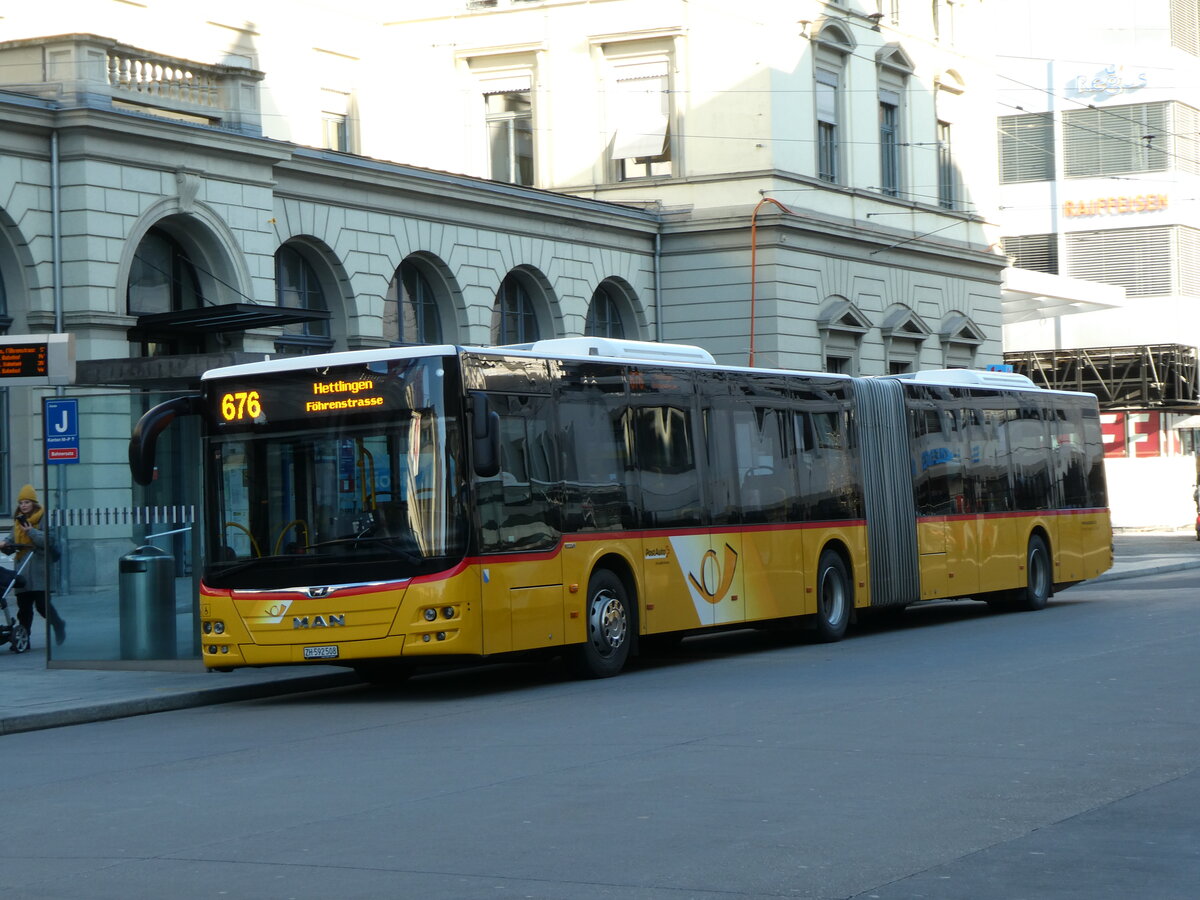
[(641, 110), (513, 83), (1038, 252), (1026, 148), (1189, 261), (1185, 126), (1185, 26), (1137, 259), (1116, 139)]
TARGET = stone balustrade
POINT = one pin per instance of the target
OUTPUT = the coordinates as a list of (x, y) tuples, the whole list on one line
[(89, 70)]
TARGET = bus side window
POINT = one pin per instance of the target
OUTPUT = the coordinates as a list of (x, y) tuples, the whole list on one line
[(1093, 458), (763, 464), (665, 456), (594, 463), (516, 508), (1029, 444), (1069, 458), (937, 459)]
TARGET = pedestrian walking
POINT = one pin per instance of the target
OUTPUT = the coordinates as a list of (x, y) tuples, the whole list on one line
[(29, 538)]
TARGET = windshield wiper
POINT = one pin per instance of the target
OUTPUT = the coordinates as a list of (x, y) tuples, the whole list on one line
[(388, 542)]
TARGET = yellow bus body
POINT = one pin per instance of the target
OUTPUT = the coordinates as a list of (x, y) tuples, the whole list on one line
[(682, 582)]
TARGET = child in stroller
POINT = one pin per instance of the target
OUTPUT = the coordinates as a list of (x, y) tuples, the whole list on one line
[(12, 632)]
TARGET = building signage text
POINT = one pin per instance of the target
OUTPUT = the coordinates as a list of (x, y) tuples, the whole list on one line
[(1115, 206), (1111, 80)]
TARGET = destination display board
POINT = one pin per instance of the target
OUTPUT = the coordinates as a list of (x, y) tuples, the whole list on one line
[(33, 359)]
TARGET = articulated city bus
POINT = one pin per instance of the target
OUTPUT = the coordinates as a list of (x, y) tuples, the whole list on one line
[(386, 508)]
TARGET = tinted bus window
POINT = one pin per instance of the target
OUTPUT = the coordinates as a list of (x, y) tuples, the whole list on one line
[(1028, 441), (937, 450), (1069, 458), (828, 480), (1093, 458), (761, 461), (594, 435), (665, 455), (985, 469), (516, 508)]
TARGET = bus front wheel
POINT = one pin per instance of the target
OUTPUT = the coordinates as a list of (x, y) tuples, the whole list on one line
[(609, 628), (833, 597), (1038, 578)]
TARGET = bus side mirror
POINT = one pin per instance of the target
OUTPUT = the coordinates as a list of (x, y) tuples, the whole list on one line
[(145, 434), (485, 437)]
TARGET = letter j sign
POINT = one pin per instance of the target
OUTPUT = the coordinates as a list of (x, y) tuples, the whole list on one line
[(62, 431)]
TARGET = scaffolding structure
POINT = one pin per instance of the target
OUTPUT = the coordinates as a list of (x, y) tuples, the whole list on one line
[(1153, 376)]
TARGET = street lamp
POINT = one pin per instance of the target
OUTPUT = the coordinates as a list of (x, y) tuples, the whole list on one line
[(754, 261)]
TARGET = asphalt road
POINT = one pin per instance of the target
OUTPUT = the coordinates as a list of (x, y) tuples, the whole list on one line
[(962, 754)]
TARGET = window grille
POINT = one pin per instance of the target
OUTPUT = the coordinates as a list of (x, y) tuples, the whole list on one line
[(1185, 128), (1038, 252), (1115, 140), (1185, 26), (1026, 148), (1189, 261), (1137, 259)]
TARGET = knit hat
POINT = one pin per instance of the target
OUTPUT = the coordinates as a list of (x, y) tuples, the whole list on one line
[(27, 493)]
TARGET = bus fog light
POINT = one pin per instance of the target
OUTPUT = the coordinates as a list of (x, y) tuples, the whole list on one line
[(447, 612), (430, 614), (425, 638), (441, 635), (212, 648), (225, 648)]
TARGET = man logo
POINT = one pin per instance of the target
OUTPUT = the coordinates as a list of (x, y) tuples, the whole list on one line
[(319, 621), (318, 592)]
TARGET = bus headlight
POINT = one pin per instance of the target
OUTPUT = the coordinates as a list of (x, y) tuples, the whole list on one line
[(447, 612), (430, 614)]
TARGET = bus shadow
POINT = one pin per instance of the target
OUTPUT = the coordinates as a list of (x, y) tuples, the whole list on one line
[(546, 670)]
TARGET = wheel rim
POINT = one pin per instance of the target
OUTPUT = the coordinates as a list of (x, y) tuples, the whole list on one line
[(1039, 574), (608, 624), (833, 597)]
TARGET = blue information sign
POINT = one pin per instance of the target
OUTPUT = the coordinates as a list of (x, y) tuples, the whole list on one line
[(62, 431)]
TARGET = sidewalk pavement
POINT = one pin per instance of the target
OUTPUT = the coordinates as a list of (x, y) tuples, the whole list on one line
[(33, 696)]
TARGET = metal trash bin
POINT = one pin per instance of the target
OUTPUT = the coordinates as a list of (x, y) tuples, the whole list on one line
[(147, 598)]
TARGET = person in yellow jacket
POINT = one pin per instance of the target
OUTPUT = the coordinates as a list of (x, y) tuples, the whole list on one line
[(29, 538)]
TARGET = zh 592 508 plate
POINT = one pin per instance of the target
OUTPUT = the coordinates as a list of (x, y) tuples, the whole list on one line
[(327, 652)]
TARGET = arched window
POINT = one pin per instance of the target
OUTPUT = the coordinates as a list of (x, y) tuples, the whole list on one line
[(161, 278), (411, 314), (604, 316), (298, 287), (513, 318)]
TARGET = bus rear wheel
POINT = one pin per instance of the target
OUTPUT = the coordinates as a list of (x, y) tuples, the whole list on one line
[(609, 628), (1039, 580), (833, 597)]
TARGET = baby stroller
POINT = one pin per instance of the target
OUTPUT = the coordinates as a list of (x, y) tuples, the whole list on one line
[(11, 631)]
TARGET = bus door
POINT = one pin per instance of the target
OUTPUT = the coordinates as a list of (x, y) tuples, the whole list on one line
[(937, 484), (988, 484), (521, 570), (717, 579), (680, 570), (752, 489)]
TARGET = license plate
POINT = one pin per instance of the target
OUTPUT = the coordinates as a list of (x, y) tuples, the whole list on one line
[(329, 652)]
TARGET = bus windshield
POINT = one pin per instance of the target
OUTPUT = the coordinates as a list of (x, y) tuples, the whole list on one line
[(345, 497)]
